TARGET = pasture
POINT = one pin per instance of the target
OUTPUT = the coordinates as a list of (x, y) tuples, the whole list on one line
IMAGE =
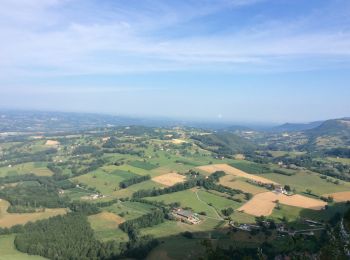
[(233, 171), (104, 181), (199, 201), (304, 180), (143, 165), (129, 210), (240, 184), (36, 168), (106, 226), (8, 250)]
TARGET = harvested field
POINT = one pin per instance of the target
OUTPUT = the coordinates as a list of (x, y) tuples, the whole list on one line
[(52, 143), (111, 219), (9, 220), (235, 183), (263, 204), (239, 156), (178, 141), (169, 179), (339, 196), (234, 171)]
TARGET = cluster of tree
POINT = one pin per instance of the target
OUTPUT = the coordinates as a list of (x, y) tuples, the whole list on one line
[(129, 151), (215, 177), (131, 227), (224, 143), (227, 212), (333, 169), (61, 237), (282, 172), (18, 157), (92, 166), (200, 182), (55, 169), (111, 143), (338, 152), (126, 183), (34, 195), (85, 149), (71, 237), (84, 207), (157, 192)]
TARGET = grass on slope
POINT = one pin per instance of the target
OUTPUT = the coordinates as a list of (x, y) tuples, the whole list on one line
[(37, 168), (105, 226), (188, 198), (105, 182), (307, 180)]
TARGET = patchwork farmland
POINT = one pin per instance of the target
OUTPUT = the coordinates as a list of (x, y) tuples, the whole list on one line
[(124, 184)]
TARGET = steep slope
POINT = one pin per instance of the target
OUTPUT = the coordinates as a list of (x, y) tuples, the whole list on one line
[(224, 143), (331, 133)]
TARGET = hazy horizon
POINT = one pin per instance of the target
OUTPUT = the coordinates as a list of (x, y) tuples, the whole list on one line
[(257, 61)]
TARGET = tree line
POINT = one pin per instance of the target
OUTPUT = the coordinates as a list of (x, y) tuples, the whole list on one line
[(126, 183)]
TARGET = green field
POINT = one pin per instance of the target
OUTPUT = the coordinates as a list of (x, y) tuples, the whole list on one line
[(9, 252), (249, 167), (106, 228), (188, 198), (178, 247), (103, 181), (143, 165), (307, 180), (129, 210), (122, 193), (340, 160), (170, 228), (36, 168)]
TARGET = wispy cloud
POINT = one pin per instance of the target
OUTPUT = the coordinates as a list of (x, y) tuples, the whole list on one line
[(71, 37)]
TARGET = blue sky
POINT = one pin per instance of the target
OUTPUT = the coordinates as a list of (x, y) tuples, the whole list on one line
[(224, 60)]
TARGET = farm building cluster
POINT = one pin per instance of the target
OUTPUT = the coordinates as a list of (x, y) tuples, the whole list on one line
[(186, 216)]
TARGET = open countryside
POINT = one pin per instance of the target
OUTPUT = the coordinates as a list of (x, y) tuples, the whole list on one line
[(175, 130), (132, 179)]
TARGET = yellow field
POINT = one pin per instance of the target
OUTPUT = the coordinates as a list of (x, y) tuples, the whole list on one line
[(339, 196), (52, 143), (107, 218), (9, 219), (263, 204), (235, 183), (178, 141), (169, 179), (236, 172)]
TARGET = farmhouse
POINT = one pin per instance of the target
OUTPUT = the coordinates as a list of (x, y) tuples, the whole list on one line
[(280, 189), (186, 216)]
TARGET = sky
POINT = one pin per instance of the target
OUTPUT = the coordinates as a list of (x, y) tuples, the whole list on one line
[(212, 60)]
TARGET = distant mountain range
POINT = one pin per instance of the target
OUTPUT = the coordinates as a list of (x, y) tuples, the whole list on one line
[(331, 133), (290, 127), (332, 127)]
